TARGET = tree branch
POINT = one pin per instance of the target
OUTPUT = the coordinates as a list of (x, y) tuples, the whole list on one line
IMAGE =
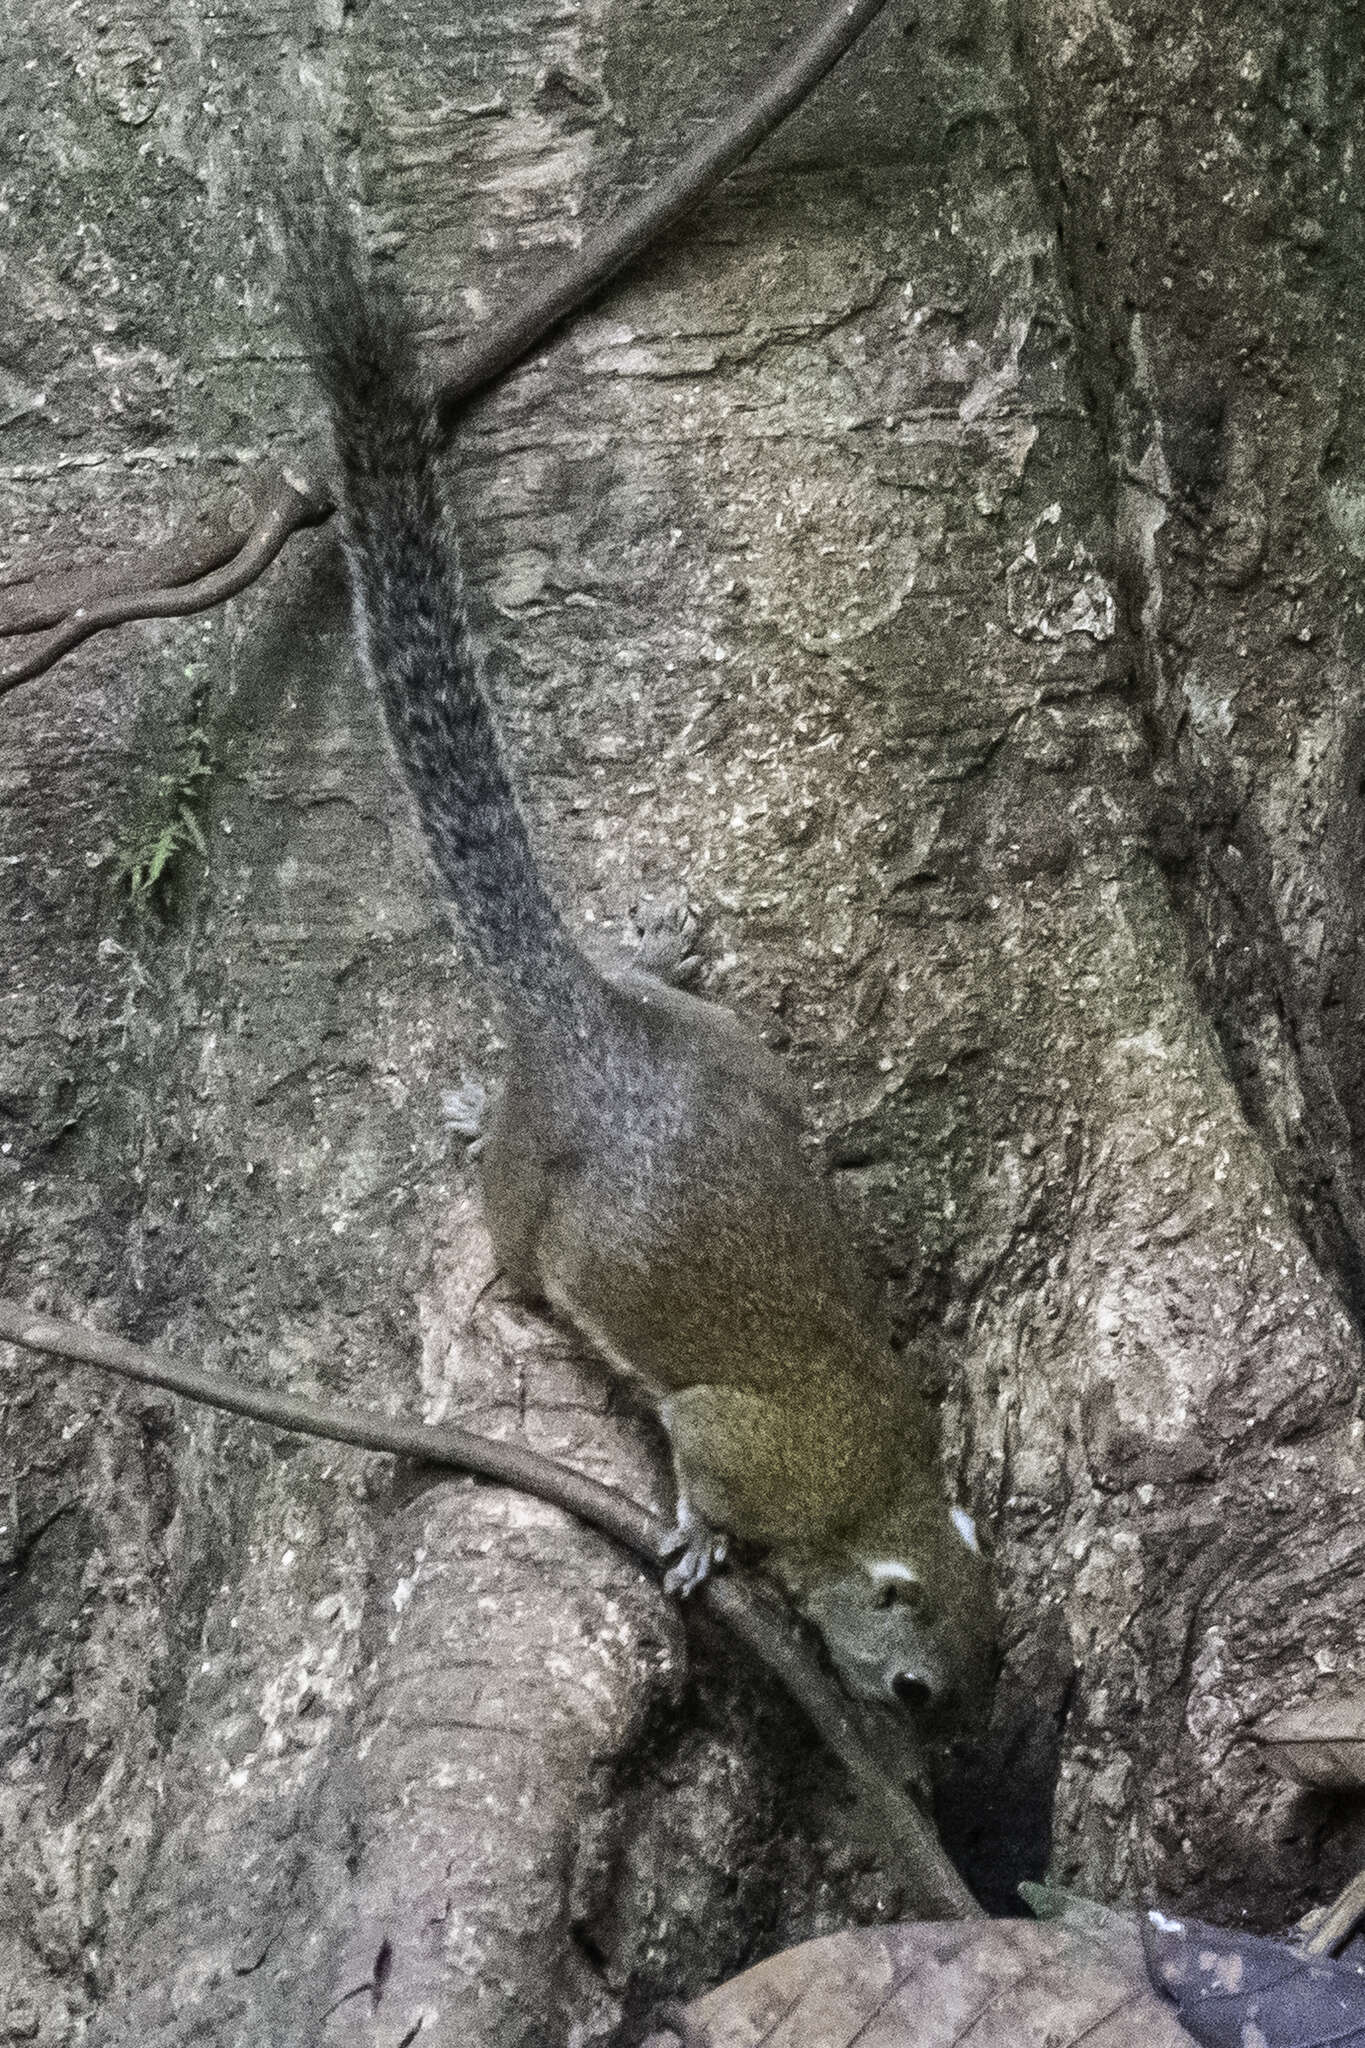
[(776, 92), (439, 1444), (738, 1599), (29, 604), (1339, 1920), (166, 583), (217, 576)]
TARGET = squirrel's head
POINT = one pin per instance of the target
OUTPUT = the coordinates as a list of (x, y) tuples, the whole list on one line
[(911, 1623)]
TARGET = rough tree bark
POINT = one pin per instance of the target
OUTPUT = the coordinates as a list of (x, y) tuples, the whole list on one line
[(942, 561)]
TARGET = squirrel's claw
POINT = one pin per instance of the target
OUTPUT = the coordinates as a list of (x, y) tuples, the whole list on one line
[(697, 1549)]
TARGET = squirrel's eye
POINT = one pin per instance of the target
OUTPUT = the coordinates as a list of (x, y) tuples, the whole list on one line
[(907, 1593)]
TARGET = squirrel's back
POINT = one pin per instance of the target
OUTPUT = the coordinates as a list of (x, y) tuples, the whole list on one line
[(644, 1171)]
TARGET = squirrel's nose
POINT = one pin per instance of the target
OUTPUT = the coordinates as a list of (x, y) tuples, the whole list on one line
[(913, 1691)]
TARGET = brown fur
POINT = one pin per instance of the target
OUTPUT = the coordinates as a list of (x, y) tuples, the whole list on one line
[(644, 1172)]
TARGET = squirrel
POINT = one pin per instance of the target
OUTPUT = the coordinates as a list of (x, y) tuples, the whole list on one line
[(643, 1171)]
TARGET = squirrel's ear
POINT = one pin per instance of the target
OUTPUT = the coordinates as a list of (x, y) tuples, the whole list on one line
[(977, 1540)]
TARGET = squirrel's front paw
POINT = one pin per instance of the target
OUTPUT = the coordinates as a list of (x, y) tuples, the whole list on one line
[(697, 1549), (666, 936)]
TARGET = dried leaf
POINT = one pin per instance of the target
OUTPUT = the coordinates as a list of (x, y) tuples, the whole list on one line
[(1322, 1743), (993, 1984), (1244, 1991)]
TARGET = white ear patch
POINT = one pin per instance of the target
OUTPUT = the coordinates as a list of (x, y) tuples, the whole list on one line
[(966, 1529), (881, 1570)]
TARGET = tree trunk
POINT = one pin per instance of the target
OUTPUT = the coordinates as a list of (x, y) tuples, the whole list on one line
[(939, 562)]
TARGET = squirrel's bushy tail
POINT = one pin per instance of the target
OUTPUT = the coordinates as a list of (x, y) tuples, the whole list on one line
[(410, 604)]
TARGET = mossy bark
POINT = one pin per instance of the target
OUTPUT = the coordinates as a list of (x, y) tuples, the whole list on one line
[(940, 562)]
